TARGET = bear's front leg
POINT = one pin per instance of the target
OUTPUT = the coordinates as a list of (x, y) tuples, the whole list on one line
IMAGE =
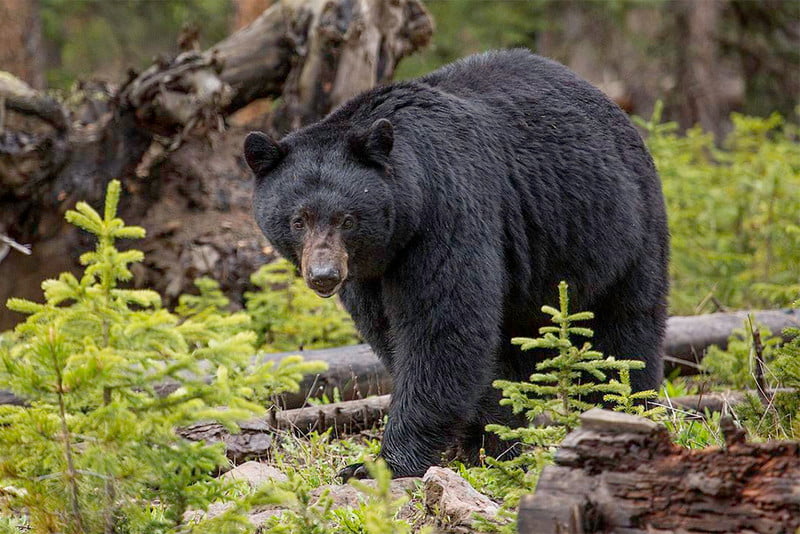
[(446, 323)]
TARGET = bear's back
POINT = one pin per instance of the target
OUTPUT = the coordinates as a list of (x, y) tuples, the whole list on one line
[(518, 87), (515, 74)]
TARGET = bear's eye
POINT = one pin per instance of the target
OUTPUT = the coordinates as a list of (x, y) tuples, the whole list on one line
[(298, 224), (348, 223)]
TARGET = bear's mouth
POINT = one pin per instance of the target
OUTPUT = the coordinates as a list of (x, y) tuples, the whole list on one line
[(325, 292)]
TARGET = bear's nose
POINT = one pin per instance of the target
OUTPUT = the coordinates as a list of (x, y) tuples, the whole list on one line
[(324, 277)]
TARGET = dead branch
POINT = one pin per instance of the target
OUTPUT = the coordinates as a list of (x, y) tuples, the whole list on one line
[(256, 436)]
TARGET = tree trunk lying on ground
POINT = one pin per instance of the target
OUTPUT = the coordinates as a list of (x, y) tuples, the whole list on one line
[(621, 473), (160, 133), (255, 438), (355, 372)]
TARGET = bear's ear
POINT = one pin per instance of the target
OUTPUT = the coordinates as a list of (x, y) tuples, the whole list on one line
[(374, 145), (262, 152)]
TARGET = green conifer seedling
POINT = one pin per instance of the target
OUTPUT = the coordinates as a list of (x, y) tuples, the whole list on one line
[(94, 450), (564, 381), (557, 393), (294, 317)]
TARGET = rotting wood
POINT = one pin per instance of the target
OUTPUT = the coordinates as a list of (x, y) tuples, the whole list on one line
[(628, 477)]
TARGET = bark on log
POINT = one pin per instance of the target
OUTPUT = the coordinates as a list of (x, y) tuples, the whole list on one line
[(185, 181), (620, 473)]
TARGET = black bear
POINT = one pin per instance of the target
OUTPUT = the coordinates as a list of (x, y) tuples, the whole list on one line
[(445, 210)]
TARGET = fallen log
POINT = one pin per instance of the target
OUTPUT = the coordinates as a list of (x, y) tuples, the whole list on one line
[(354, 372), (255, 437), (621, 473), (348, 417)]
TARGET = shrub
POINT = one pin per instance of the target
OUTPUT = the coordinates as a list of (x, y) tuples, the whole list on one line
[(94, 450), (288, 316), (732, 210)]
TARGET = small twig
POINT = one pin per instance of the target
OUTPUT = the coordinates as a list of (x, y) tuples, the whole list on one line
[(720, 306), (25, 249), (758, 350)]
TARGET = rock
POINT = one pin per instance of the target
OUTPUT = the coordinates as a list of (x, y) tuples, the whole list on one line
[(255, 473), (450, 496), (608, 421), (257, 516), (347, 495)]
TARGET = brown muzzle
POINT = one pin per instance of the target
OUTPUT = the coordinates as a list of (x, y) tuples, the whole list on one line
[(324, 261)]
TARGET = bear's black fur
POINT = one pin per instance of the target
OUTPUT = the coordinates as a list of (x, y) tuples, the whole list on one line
[(445, 210)]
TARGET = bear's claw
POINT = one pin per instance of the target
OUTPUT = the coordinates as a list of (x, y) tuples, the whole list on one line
[(357, 471)]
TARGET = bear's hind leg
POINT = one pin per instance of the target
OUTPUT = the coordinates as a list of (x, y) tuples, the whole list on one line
[(477, 439), (633, 335)]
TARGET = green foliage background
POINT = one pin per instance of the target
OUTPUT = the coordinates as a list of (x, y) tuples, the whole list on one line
[(95, 449), (734, 211), (103, 38)]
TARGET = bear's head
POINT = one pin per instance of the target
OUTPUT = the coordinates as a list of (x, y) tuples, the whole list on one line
[(324, 201)]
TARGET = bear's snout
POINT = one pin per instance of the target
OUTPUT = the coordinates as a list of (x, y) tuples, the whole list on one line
[(324, 279), (324, 262)]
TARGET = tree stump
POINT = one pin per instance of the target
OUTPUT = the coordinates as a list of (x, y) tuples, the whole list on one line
[(161, 133), (621, 473)]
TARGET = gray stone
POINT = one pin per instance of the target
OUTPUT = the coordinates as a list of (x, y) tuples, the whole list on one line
[(454, 498), (616, 422), (347, 495), (255, 473)]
